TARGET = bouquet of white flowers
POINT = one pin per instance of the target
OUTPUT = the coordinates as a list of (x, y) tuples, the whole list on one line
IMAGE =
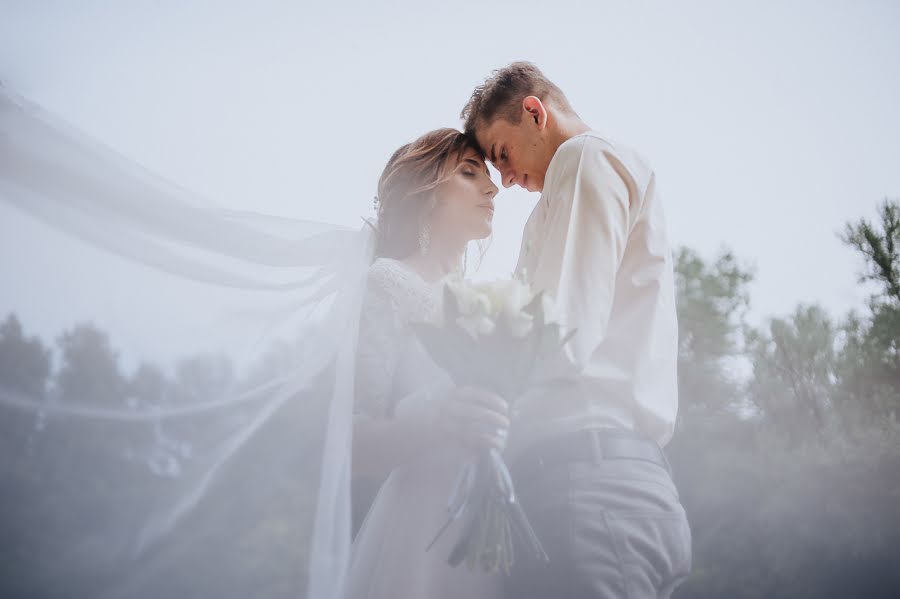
[(502, 337)]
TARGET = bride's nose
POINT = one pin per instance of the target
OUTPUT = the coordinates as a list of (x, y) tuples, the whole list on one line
[(492, 190)]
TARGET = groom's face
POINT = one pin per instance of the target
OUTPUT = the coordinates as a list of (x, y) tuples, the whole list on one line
[(518, 150)]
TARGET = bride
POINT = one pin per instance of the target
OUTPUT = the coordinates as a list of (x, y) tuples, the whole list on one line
[(412, 428), (403, 428)]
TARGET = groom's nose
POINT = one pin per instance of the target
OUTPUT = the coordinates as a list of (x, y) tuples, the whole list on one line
[(509, 177)]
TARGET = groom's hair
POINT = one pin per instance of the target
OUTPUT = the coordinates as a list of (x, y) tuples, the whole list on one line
[(501, 95)]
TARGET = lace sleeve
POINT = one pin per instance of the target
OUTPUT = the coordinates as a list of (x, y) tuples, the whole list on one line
[(394, 298), (378, 348)]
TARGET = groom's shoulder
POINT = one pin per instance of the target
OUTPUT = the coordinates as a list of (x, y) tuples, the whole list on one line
[(592, 145)]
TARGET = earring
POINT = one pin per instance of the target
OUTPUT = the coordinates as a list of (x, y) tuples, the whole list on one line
[(425, 238)]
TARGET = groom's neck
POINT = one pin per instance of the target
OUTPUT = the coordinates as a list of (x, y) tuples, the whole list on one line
[(567, 127)]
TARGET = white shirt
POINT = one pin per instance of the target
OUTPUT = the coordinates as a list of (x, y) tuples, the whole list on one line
[(596, 243)]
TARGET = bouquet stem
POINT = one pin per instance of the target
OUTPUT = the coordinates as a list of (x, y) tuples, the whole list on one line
[(484, 492)]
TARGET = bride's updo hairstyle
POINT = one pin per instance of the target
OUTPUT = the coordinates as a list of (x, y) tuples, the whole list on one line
[(406, 188)]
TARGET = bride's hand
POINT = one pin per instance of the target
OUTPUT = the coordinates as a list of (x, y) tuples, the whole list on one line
[(474, 417)]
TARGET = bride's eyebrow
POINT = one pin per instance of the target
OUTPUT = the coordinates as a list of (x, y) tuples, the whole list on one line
[(476, 164)]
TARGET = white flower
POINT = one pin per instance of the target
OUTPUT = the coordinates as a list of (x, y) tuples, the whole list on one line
[(510, 299), (469, 299), (483, 305), (476, 325), (475, 313)]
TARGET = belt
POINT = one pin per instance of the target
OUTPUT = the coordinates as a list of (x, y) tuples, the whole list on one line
[(589, 445)]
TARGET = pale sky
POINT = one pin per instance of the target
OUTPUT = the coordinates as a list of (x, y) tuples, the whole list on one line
[(769, 124)]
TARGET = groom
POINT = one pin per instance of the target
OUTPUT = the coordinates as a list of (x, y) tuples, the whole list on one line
[(587, 455)]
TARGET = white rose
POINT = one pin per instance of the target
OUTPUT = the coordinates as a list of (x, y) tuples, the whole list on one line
[(515, 297), (469, 299), (483, 305), (476, 325), (475, 310)]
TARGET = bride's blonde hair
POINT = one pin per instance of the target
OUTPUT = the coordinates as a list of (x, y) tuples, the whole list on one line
[(406, 188)]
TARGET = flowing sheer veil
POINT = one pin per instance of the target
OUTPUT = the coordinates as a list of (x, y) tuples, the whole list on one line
[(279, 297)]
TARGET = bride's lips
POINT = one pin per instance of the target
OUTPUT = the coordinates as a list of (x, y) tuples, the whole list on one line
[(488, 207)]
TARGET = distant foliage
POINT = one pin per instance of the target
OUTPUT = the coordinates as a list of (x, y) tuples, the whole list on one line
[(795, 373), (712, 300), (24, 362), (879, 244), (786, 454), (90, 367), (800, 495)]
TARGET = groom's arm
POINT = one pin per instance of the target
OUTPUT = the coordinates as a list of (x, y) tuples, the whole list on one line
[(588, 221)]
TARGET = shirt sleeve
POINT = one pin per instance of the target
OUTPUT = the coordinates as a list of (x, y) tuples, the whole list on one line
[(587, 226)]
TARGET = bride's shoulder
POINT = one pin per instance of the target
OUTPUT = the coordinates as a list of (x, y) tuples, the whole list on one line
[(389, 271), (397, 283), (384, 270)]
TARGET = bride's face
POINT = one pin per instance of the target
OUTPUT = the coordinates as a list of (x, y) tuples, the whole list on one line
[(465, 201)]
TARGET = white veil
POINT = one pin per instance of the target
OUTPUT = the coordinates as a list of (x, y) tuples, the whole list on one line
[(280, 296)]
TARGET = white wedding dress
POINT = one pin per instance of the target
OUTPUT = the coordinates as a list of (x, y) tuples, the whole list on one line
[(389, 558)]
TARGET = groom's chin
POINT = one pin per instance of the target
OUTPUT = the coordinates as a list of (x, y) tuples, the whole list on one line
[(530, 184)]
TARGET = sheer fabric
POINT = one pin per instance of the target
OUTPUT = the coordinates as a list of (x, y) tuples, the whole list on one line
[(282, 295)]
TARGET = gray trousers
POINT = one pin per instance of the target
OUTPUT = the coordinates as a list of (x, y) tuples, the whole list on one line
[(613, 529)]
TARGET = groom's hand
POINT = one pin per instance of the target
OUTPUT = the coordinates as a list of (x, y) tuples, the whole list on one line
[(475, 417)]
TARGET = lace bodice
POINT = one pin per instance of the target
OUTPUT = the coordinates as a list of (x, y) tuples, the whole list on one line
[(409, 506), (391, 363)]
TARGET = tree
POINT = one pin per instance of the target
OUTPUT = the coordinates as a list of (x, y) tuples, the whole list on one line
[(90, 368), (24, 362), (712, 300), (204, 377), (148, 384), (25, 366), (872, 356), (880, 246), (795, 372)]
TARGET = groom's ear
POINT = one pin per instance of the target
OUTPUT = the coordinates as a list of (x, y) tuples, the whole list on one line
[(535, 111)]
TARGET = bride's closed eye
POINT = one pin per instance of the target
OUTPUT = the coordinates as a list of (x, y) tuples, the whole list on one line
[(470, 168)]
